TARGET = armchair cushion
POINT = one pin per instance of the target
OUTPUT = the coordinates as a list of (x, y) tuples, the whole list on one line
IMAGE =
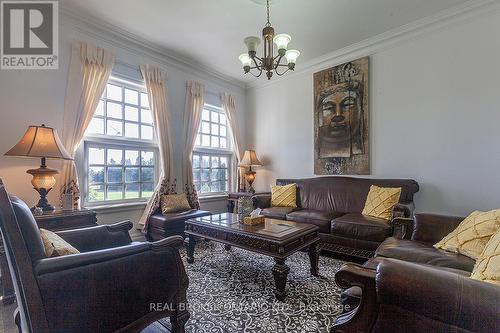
[(423, 253), (319, 218), (363, 227), (277, 212), (55, 246)]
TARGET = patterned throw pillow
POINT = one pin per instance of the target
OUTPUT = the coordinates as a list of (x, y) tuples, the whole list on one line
[(380, 201), (487, 266), (54, 245), (284, 196), (172, 203), (472, 234)]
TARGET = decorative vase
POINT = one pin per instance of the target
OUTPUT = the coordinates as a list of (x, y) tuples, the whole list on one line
[(245, 207)]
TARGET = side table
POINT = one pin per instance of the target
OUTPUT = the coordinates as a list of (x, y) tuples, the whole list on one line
[(55, 221)]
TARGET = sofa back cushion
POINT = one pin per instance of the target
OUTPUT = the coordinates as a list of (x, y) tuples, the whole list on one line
[(344, 194)]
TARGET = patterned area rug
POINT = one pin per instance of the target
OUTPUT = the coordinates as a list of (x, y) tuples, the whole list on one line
[(233, 291)]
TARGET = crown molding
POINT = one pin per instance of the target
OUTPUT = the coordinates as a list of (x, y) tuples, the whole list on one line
[(468, 10), (135, 44)]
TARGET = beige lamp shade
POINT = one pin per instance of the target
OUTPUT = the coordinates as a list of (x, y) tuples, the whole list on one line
[(250, 159), (42, 142)]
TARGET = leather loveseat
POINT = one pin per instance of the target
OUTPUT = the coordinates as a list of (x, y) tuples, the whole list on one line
[(412, 285), (335, 204)]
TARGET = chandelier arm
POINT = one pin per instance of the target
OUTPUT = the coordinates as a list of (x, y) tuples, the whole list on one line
[(277, 73), (260, 73), (257, 65), (277, 62)]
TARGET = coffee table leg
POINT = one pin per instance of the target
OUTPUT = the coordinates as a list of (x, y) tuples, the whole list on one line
[(190, 249), (314, 258), (280, 273)]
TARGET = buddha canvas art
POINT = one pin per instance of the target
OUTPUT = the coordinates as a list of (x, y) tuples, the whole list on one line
[(341, 119)]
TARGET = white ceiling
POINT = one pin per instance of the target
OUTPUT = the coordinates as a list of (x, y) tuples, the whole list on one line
[(211, 32)]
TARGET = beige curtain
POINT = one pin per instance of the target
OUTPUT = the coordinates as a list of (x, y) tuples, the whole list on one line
[(89, 71), (229, 106), (195, 95), (157, 93)]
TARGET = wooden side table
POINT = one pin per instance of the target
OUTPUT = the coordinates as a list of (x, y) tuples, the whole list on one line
[(56, 221)]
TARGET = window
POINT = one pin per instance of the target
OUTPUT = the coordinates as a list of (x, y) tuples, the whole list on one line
[(212, 155), (120, 150)]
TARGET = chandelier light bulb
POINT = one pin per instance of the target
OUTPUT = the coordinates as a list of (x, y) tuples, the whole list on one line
[(245, 60), (282, 41), (291, 56), (252, 43)]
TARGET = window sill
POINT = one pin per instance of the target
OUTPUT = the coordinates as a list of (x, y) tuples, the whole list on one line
[(211, 198), (120, 207)]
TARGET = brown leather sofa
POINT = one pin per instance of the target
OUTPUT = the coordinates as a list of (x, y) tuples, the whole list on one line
[(335, 204), (109, 286), (412, 285)]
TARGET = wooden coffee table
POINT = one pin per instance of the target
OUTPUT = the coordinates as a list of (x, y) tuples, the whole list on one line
[(274, 238)]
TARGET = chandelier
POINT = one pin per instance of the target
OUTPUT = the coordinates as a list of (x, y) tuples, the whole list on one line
[(269, 63)]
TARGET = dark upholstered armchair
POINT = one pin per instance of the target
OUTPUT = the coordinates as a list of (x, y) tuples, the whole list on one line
[(113, 285)]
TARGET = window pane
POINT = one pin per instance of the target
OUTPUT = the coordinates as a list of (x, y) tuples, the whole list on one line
[(223, 186), (114, 127), (96, 193), (215, 162), (115, 157), (131, 157), (205, 188), (197, 185), (223, 143), (146, 116), (114, 192), (147, 158), (146, 132), (215, 187), (205, 115), (215, 142), (144, 100), (96, 175), (131, 113), (131, 130), (214, 129), (114, 110), (147, 190), (131, 175), (197, 142), (223, 162), (223, 131), (131, 97), (214, 175), (115, 175), (114, 92), (147, 174), (196, 174), (215, 117), (205, 161), (196, 161), (222, 120), (96, 156), (222, 174), (99, 111), (205, 127), (205, 140), (205, 175), (131, 191), (96, 126)]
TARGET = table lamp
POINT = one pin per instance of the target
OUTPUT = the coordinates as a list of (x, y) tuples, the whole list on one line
[(250, 160), (42, 142)]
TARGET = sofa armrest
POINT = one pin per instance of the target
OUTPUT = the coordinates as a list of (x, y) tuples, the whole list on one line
[(431, 228), (99, 237), (261, 200), (403, 209), (360, 319), (403, 227), (440, 295)]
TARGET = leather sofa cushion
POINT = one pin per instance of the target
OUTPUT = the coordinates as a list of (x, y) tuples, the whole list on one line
[(174, 220), (320, 218), (423, 253), (359, 226), (277, 212)]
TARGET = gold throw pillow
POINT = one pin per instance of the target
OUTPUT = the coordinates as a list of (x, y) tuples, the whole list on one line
[(54, 245), (380, 201), (172, 203), (487, 266), (284, 196), (472, 234)]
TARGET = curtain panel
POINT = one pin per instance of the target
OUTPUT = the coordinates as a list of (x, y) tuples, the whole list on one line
[(195, 99), (155, 80), (229, 106), (89, 71)]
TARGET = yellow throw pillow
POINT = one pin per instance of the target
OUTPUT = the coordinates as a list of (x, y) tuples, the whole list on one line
[(54, 245), (472, 234), (380, 201), (487, 266), (284, 196), (172, 203)]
